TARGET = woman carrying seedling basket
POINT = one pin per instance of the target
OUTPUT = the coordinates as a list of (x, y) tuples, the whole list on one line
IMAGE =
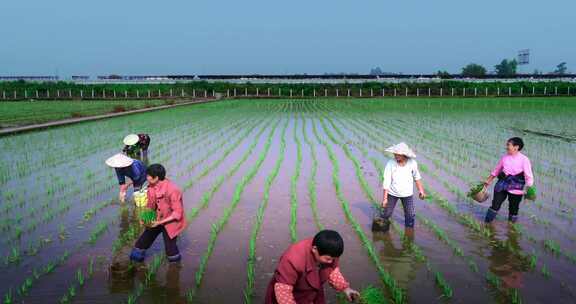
[(400, 174), (514, 172), (167, 212)]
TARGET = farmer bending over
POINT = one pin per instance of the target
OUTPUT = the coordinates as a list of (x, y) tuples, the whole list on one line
[(136, 146), (164, 197), (400, 175), (514, 171), (127, 167), (305, 267)]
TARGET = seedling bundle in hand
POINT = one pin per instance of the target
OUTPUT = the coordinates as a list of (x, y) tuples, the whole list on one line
[(478, 193), (148, 216), (530, 193)]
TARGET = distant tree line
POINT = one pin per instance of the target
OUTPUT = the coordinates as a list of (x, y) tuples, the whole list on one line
[(506, 68)]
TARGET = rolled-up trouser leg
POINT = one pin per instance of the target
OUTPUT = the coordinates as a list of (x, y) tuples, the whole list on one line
[(409, 212)]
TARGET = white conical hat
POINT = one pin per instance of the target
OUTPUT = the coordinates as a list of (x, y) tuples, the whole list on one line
[(119, 161), (131, 139), (401, 149)]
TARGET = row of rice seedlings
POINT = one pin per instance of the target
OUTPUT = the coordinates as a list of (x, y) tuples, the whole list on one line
[(398, 294), (217, 227), (78, 284), (90, 173), (443, 284), (249, 289), (95, 146), (209, 140), (217, 162), (312, 195), (39, 272), (149, 276), (512, 295), (294, 185)]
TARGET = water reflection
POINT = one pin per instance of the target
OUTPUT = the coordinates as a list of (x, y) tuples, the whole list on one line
[(125, 276), (507, 260), (398, 260)]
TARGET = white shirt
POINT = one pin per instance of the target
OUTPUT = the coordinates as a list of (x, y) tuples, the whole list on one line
[(399, 180)]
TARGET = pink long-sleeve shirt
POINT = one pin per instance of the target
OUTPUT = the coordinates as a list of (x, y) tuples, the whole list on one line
[(512, 164), (166, 199)]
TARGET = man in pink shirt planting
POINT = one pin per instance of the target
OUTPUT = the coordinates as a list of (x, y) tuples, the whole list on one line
[(514, 171), (164, 197)]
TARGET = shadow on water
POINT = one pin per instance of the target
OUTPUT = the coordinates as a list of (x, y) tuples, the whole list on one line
[(506, 259), (125, 276), (398, 260)]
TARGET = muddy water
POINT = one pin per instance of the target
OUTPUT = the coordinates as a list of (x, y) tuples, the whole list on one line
[(225, 275)]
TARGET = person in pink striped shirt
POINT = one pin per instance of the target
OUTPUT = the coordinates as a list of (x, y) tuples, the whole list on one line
[(514, 172)]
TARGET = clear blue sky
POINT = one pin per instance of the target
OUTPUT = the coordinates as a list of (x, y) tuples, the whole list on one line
[(269, 36)]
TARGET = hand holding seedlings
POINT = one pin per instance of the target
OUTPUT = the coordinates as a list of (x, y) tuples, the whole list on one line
[(351, 294)]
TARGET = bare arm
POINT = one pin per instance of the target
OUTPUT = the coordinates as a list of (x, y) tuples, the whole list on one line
[(420, 188), (385, 198)]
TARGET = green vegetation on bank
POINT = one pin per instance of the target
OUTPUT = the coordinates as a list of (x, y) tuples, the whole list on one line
[(21, 113), (29, 90)]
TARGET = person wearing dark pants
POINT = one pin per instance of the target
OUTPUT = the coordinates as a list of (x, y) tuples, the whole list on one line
[(164, 197), (514, 171), (149, 236), (400, 174)]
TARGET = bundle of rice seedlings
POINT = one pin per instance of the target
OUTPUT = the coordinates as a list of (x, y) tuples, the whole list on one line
[(148, 216), (530, 193)]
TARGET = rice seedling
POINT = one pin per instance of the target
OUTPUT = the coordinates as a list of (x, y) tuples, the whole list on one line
[(100, 228), (447, 291), (294, 185), (8, 297), (249, 288), (545, 272), (372, 295), (80, 277)]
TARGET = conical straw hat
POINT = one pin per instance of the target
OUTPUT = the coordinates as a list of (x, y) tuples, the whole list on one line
[(119, 161), (401, 149), (131, 139)]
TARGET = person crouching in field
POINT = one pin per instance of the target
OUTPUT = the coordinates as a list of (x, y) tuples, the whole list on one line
[(136, 146), (166, 198), (305, 267), (514, 171), (127, 167), (400, 174)]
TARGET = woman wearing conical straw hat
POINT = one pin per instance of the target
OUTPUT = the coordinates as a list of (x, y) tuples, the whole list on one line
[(400, 174), (136, 146), (127, 167)]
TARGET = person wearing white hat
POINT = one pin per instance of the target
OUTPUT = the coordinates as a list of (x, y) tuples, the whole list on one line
[(136, 146), (127, 167), (400, 174)]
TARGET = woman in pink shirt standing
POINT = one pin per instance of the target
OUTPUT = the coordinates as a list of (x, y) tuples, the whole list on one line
[(513, 171)]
